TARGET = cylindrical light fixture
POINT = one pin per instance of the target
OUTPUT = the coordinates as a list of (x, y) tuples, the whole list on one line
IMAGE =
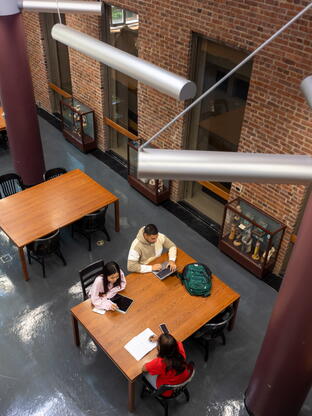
[(171, 84), (197, 165), (52, 6), (306, 88), (8, 7)]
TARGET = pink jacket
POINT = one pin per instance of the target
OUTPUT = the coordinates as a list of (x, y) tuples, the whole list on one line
[(103, 302)]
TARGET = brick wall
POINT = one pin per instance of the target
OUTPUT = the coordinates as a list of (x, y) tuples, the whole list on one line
[(37, 59), (277, 119)]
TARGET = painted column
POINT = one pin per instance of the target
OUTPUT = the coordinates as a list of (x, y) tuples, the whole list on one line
[(17, 96), (282, 376)]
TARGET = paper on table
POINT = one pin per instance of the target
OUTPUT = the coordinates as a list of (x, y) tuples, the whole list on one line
[(100, 311), (140, 345)]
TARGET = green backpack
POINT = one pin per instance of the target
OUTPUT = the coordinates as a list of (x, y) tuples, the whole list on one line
[(196, 278)]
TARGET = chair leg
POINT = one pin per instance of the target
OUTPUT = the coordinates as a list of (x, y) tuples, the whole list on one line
[(106, 233), (28, 255), (143, 391), (187, 394), (43, 267), (166, 408), (89, 241), (59, 253), (223, 338)]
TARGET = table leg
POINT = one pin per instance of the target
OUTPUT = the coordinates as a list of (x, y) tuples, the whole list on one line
[(23, 261), (76, 331), (232, 321), (117, 220), (131, 396)]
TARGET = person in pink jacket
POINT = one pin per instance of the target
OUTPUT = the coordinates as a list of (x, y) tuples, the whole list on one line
[(106, 286)]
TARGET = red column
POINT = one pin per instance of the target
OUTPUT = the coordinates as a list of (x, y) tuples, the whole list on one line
[(282, 376), (18, 101)]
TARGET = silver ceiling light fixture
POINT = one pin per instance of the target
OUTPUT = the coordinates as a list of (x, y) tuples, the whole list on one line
[(227, 166), (162, 80), (306, 88), (49, 6)]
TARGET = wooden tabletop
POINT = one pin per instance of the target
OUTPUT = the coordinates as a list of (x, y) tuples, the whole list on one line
[(2, 120), (39, 210), (155, 302)]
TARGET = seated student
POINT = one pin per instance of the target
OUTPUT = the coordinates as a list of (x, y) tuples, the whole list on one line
[(106, 286), (170, 366), (148, 245)]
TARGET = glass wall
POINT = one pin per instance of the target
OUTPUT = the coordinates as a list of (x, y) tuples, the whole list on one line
[(123, 109), (216, 121), (57, 59)]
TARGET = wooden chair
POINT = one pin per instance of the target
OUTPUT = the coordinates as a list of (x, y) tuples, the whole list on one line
[(43, 247), (53, 173), (10, 184), (176, 389), (214, 329), (88, 274), (90, 224)]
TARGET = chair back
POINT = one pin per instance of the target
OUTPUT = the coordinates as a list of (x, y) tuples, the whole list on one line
[(46, 245), (88, 274), (93, 222), (10, 184), (53, 173), (219, 323), (177, 389)]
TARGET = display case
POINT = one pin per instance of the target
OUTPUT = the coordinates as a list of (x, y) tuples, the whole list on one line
[(157, 190), (78, 124), (250, 236)]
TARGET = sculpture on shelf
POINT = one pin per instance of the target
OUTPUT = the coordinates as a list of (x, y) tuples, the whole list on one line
[(247, 241), (256, 255), (236, 216), (271, 253), (232, 233)]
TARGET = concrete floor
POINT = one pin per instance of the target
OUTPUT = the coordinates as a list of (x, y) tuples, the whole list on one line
[(43, 373)]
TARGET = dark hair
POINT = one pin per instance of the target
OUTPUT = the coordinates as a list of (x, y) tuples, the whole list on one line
[(110, 268), (169, 351), (150, 229)]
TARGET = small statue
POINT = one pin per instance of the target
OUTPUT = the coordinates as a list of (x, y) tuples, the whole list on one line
[(271, 253), (232, 233), (256, 255), (263, 256), (247, 240), (152, 182), (237, 242), (236, 216)]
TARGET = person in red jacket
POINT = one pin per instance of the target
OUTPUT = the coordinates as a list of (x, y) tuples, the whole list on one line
[(170, 366)]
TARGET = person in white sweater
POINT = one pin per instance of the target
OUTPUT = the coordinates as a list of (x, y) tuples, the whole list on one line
[(106, 286)]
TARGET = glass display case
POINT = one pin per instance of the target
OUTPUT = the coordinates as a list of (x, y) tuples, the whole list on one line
[(78, 124), (157, 190), (250, 236)]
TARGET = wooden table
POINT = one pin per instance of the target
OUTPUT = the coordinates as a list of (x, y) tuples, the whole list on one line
[(2, 120), (37, 211), (155, 302)]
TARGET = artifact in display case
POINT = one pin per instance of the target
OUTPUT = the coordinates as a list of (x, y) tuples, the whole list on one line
[(251, 237), (78, 124), (157, 190)]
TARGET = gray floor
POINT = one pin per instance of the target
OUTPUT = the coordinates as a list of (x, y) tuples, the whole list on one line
[(43, 373)]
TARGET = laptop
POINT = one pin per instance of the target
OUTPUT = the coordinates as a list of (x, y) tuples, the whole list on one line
[(164, 272)]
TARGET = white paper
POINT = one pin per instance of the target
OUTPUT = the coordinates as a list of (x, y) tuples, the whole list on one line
[(100, 311), (140, 345)]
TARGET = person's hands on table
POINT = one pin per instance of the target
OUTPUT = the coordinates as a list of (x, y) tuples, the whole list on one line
[(172, 265), (156, 267), (153, 338), (114, 306)]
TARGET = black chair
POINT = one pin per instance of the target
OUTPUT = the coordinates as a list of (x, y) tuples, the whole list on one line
[(214, 329), (90, 224), (10, 184), (88, 274), (53, 173), (177, 389), (43, 247)]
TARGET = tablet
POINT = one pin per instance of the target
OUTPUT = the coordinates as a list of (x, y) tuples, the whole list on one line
[(122, 302)]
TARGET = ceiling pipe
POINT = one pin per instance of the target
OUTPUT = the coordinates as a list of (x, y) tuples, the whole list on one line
[(194, 165), (306, 88), (53, 6), (162, 80)]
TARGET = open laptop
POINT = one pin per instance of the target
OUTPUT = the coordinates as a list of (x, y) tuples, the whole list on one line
[(164, 272)]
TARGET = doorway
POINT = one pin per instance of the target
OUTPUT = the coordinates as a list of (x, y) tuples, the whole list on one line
[(215, 123)]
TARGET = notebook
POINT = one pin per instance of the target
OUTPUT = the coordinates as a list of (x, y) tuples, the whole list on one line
[(122, 302), (164, 272)]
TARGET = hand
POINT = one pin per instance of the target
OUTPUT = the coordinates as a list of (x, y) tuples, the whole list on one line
[(114, 306), (172, 265), (156, 267), (153, 338)]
